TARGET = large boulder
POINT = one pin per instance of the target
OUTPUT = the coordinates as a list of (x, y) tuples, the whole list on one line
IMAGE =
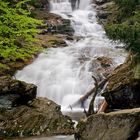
[(120, 125), (122, 90), (40, 117), (14, 92)]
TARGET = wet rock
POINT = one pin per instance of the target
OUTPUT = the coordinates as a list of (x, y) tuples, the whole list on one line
[(105, 61), (40, 117), (102, 15), (124, 96), (119, 125), (104, 11), (100, 2), (54, 23), (41, 4), (122, 90), (14, 92), (105, 66), (65, 28)]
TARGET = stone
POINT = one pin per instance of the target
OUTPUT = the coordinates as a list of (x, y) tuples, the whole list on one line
[(102, 15), (14, 92), (105, 11), (36, 119), (54, 23), (119, 125), (105, 61), (49, 41), (122, 90), (124, 96), (100, 2)]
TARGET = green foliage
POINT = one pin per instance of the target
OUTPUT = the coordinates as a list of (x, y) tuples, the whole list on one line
[(17, 29), (127, 27), (38, 3), (129, 34), (3, 66), (127, 3), (16, 53)]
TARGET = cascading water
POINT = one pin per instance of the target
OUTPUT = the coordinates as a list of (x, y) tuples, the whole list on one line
[(64, 74)]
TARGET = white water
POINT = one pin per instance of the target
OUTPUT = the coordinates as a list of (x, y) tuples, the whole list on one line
[(64, 74)]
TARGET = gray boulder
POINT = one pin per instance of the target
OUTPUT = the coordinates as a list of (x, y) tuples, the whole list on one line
[(120, 125), (14, 92), (40, 117)]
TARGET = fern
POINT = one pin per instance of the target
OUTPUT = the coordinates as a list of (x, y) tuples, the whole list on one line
[(17, 29)]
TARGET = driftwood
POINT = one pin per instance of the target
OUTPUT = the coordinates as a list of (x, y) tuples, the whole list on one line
[(103, 107), (95, 90), (83, 98)]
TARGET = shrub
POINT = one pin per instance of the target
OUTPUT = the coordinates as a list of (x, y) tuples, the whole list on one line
[(17, 28)]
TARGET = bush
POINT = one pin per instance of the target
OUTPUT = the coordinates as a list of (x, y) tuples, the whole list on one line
[(127, 27)]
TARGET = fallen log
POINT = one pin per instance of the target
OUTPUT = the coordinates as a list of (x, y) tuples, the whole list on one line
[(85, 97)]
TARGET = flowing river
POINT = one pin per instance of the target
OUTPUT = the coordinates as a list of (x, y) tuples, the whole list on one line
[(65, 74)]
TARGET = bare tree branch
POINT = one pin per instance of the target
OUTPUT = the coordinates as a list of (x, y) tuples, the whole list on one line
[(84, 97), (91, 105)]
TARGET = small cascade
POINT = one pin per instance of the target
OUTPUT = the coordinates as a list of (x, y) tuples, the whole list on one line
[(84, 4), (61, 6), (65, 74)]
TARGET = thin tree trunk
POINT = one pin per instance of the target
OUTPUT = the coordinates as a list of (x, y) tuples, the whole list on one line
[(91, 105)]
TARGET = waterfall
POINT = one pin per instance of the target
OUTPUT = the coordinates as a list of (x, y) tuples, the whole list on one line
[(84, 4), (64, 74), (61, 6)]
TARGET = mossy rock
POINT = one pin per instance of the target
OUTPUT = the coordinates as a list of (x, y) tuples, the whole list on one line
[(119, 125), (137, 72), (40, 117)]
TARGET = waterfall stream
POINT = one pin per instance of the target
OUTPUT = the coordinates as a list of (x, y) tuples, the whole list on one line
[(65, 74)]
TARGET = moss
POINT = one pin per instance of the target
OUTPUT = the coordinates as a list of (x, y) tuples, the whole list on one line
[(81, 126), (50, 41), (137, 72), (18, 58), (122, 75), (4, 66)]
